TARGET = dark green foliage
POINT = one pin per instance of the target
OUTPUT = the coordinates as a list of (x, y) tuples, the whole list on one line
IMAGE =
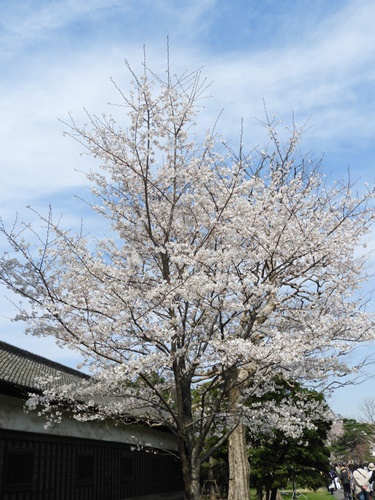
[(277, 460)]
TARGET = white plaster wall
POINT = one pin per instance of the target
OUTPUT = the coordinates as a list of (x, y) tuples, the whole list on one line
[(13, 417)]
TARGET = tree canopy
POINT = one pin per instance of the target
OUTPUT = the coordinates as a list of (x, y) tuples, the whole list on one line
[(224, 268)]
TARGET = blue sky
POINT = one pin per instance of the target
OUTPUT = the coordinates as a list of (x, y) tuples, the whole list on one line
[(313, 58)]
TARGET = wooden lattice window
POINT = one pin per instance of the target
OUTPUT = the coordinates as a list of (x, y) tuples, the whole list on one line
[(19, 469), (85, 468), (155, 469), (127, 468)]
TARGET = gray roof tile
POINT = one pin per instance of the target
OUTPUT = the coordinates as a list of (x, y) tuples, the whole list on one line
[(21, 369)]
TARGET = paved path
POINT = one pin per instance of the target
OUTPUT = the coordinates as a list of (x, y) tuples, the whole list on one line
[(339, 494)]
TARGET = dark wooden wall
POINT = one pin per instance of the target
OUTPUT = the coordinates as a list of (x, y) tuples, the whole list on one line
[(41, 467)]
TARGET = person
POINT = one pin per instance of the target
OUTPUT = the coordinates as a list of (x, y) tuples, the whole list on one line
[(371, 473), (337, 478), (337, 483), (361, 484), (331, 480), (345, 479)]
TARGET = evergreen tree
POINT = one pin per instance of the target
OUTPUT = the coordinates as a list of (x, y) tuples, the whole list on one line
[(277, 459)]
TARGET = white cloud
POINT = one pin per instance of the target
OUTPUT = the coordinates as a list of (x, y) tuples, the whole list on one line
[(328, 76), (323, 76), (28, 22)]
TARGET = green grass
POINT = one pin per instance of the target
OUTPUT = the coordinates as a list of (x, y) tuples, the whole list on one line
[(320, 494)]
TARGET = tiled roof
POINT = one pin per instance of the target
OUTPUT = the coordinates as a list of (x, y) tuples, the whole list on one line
[(21, 369)]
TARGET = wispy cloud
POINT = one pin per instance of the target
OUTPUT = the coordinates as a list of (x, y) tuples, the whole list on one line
[(327, 75), (29, 22)]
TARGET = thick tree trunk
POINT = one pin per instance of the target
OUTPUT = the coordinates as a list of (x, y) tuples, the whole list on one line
[(191, 484), (187, 443), (190, 473), (193, 492), (239, 471)]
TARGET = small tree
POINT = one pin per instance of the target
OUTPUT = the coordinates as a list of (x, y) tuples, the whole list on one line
[(277, 459), (222, 271), (368, 411)]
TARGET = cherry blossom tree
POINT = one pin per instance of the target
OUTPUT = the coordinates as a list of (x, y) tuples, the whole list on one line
[(368, 410), (223, 270)]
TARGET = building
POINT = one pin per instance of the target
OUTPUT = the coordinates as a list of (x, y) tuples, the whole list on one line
[(75, 460)]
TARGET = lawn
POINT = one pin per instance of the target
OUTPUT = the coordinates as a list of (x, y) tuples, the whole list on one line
[(320, 494), (302, 494)]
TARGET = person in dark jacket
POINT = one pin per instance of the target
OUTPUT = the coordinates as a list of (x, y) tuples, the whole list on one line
[(331, 480), (345, 479)]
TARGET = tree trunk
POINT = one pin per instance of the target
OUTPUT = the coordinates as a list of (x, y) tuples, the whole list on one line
[(275, 494), (191, 485), (190, 473), (239, 471), (211, 479), (186, 441), (259, 491), (194, 490)]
